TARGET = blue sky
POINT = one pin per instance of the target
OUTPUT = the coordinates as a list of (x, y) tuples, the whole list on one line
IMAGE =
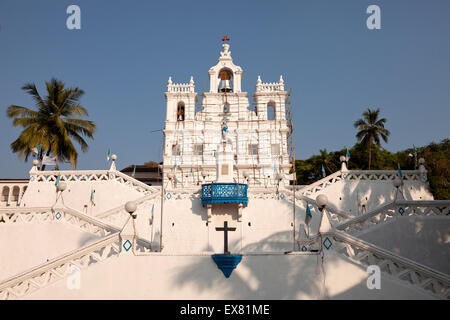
[(335, 66)]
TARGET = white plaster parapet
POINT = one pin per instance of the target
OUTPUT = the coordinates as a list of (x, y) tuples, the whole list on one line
[(181, 87), (269, 86)]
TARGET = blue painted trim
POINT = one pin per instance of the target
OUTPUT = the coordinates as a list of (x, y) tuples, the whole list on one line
[(127, 245), (327, 243), (224, 193), (227, 262)]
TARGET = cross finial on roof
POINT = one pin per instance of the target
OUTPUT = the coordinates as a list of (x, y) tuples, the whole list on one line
[(225, 39)]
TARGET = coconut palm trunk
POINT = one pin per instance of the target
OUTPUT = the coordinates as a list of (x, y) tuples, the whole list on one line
[(370, 129)]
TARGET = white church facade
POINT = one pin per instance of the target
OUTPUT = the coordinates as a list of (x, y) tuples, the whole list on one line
[(225, 223), (231, 139)]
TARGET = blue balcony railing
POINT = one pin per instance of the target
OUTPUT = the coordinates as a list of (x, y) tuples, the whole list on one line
[(224, 193)]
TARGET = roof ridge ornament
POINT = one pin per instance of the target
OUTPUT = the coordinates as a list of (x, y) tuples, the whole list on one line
[(225, 39), (225, 53)]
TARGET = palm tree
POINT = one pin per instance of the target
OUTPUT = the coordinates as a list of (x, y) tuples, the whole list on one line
[(370, 128), (53, 124), (327, 160)]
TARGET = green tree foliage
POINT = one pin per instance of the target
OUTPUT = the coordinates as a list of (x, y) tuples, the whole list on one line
[(437, 163), (436, 157), (370, 129), (54, 124)]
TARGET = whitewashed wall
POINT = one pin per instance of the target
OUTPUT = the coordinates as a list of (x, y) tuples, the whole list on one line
[(197, 277), (26, 245), (267, 225), (343, 195), (108, 195), (425, 240)]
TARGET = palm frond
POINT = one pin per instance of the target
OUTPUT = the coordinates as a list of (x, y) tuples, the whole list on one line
[(30, 88), (74, 109), (24, 122), (14, 111), (54, 124)]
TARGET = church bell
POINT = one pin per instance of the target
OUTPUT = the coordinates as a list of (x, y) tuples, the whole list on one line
[(225, 79)]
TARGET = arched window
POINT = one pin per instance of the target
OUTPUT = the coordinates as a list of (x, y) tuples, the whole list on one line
[(225, 82), (271, 110), (5, 194), (180, 111), (15, 193)]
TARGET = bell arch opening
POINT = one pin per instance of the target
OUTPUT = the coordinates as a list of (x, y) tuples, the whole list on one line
[(225, 80), (180, 111)]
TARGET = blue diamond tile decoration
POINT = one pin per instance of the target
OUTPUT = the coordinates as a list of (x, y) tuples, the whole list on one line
[(168, 196), (401, 210), (304, 249), (344, 176), (327, 243), (282, 196), (58, 215), (227, 262), (127, 245)]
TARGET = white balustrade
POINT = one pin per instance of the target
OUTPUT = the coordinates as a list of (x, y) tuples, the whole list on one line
[(393, 210), (180, 88), (47, 215), (69, 175), (57, 269), (358, 175), (321, 184), (423, 277), (11, 191), (270, 87), (382, 175), (132, 183), (91, 175)]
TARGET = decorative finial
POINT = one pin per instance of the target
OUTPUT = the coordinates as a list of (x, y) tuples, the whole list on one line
[(192, 80), (131, 207), (170, 81), (259, 80), (113, 163), (281, 79), (61, 186)]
